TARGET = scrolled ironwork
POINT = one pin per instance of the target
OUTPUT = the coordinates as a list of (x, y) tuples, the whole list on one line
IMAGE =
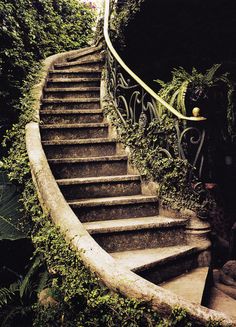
[(137, 103)]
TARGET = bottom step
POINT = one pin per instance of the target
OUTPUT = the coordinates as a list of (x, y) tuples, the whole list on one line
[(221, 302), (190, 286)]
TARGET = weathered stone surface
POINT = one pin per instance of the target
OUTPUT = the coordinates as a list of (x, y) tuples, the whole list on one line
[(74, 131), (55, 116), (228, 273), (72, 82), (79, 148), (191, 285), (88, 167), (99, 187), (115, 208)]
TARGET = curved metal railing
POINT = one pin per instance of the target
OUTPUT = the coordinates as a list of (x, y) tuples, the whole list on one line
[(136, 102), (137, 79)]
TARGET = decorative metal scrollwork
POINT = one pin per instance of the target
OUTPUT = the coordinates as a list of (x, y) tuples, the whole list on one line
[(134, 104)]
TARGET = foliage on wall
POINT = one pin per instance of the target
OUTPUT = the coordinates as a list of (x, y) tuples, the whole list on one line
[(31, 31)]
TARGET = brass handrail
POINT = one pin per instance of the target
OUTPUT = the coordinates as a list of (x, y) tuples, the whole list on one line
[(133, 75)]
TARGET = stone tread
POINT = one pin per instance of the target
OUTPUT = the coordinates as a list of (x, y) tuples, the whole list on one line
[(222, 302), (79, 62), (79, 141), (119, 200), (70, 111), (100, 179), (77, 70), (78, 125), (89, 159), (130, 224), (183, 284), (138, 260), (72, 80), (70, 100), (74, 89)]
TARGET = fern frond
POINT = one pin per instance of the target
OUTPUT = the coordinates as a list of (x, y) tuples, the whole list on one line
[(5, 296), (181, 97), (26, 283), (43, 281), (160, 82), (208, 77), (173, 98)]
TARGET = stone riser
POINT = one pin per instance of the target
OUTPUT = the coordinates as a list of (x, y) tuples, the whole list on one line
[(140, 239), (89, 169), (71, 94), (71, 106), (79, 150), (71, 118), (86, 54), (170, 269), (71, 84), (100, 190), (116, 211), (58, 74), (73, 133)]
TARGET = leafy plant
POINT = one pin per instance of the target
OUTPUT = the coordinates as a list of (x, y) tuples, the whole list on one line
[(197, 85), (16, 301)]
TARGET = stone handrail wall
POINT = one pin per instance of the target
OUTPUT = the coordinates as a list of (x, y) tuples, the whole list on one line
[(53, 203)]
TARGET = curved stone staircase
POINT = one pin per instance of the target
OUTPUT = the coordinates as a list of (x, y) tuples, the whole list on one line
[(93, 174), (108, 196)]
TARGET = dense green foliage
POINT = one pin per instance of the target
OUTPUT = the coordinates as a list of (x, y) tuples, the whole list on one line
[(30, 31), (123, 13)]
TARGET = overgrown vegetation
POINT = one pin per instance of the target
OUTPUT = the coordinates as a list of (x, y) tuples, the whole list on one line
[(122, 14), (31, 31)]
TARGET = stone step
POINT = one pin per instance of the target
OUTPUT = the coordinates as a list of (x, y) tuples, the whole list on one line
[(88, 167), (72, 82), (93, 56), (220, 301), (95, 61), (79, 148), (137, 233), (73, 131), (72, 93), (82, 72), (84, 53), (63, 104), (115, 207), (159, 264), (104, 186), (183, 285), (58, 116)]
